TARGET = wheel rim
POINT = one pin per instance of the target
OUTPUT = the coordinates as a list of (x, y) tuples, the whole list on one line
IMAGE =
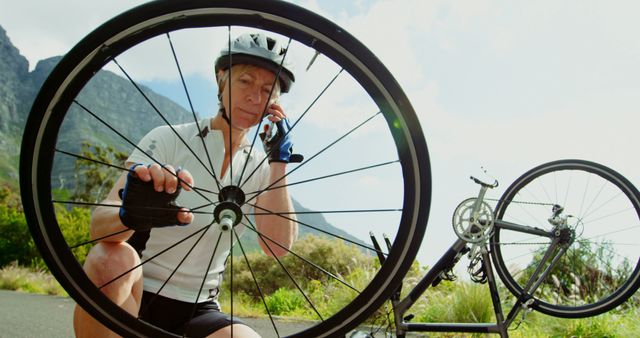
[(600, 269), (47, 121)]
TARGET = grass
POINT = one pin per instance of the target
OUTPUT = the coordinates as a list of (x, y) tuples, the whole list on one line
[(450, 302), (17, 278)]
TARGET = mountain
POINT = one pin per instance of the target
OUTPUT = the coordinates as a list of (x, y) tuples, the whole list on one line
[(108, 96), (14, 70)]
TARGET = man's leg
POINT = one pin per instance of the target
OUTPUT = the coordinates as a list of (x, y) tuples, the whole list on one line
[(105, 262), (239, 330)]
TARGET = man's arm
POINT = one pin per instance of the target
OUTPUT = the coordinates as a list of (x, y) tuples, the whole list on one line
[(281, 230)]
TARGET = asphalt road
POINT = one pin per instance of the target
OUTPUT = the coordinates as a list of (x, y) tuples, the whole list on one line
[(24, 315)]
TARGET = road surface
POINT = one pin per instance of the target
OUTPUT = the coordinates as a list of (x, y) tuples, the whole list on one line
[(24, 315)]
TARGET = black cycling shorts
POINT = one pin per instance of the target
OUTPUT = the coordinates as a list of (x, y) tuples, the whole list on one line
[(175, 316)]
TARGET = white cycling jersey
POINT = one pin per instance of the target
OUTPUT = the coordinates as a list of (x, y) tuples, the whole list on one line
[(165, 147)]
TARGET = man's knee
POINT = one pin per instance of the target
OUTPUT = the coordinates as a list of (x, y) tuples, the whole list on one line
[(113, 267)]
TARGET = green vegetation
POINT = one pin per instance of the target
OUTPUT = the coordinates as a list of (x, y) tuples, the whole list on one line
[(584, 274), (283, 296), (95, 178), (15, 277), (16, 243)]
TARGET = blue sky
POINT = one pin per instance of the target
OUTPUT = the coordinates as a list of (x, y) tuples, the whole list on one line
[(501, 84)]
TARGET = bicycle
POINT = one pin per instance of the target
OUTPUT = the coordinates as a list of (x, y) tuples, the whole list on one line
[(389, 178), (559, 233)]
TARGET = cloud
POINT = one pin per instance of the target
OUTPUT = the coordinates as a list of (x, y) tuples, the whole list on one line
[(42, 29)]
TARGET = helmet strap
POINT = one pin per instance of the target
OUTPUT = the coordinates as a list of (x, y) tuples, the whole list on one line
[(223, 112)]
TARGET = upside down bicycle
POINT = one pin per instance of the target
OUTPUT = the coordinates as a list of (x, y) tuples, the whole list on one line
[(385, 187), (557, 239)]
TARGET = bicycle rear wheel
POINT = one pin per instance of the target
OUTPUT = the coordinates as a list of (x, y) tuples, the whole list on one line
[(600, 268), (79, 128)]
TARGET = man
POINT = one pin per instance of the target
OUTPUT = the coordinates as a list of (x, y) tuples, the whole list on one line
[(157, 202)]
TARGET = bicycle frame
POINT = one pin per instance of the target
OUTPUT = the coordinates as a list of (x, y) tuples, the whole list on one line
[(447, 262)]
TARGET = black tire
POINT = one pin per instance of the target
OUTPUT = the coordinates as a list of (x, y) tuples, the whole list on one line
[(43, 148), (600, 269)]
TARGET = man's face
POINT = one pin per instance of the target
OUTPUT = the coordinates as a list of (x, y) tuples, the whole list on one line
[(249, 95)]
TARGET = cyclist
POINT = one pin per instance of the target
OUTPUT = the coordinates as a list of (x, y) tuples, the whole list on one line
[(155, 202)]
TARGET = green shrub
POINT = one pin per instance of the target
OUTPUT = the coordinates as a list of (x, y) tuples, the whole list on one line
[(472, 304), (459, 302), (16, 243), (587, 272), (332, 255), (347, 263), (284, 302), (74, 224)]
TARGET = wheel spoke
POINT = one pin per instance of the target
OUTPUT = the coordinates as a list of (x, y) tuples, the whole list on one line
[(255, 281), (128, 170), (193, 112), (326, 176), (194, 211), (264, 112), (584, 195), (315, 155), (293, 125), (284, 268), (324, 212), (603, 205), (98, 239), (167, 123), (144, 310), (230, 112), (93, 160), (138, 148), (154, 256), (588, 211), (613, 232), (323, 270), (523, 207), (315, 228), (614, 213), (204, 279)]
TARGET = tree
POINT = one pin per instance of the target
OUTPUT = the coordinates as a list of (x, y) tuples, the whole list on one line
[(94, 177)]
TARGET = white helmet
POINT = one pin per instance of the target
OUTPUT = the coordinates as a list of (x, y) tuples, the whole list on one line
[(259, 50)]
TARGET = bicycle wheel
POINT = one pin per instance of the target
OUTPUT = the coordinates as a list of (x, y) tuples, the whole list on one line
[(593, 213), (80, 127)]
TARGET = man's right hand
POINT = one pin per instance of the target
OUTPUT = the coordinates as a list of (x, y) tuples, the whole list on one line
[(148, 198)]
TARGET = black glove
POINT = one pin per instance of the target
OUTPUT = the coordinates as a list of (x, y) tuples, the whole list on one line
[(144, 208), (278, 146)]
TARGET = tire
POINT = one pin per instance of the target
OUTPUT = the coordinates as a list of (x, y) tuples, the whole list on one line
[(51, 150), (600, 268)]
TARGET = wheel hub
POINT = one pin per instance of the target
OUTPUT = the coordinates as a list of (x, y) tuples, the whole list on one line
[(228, 212)]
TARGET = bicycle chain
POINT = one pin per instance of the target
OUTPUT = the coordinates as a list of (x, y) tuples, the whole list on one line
[(523, 202), (521, 243), (528, 203)]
